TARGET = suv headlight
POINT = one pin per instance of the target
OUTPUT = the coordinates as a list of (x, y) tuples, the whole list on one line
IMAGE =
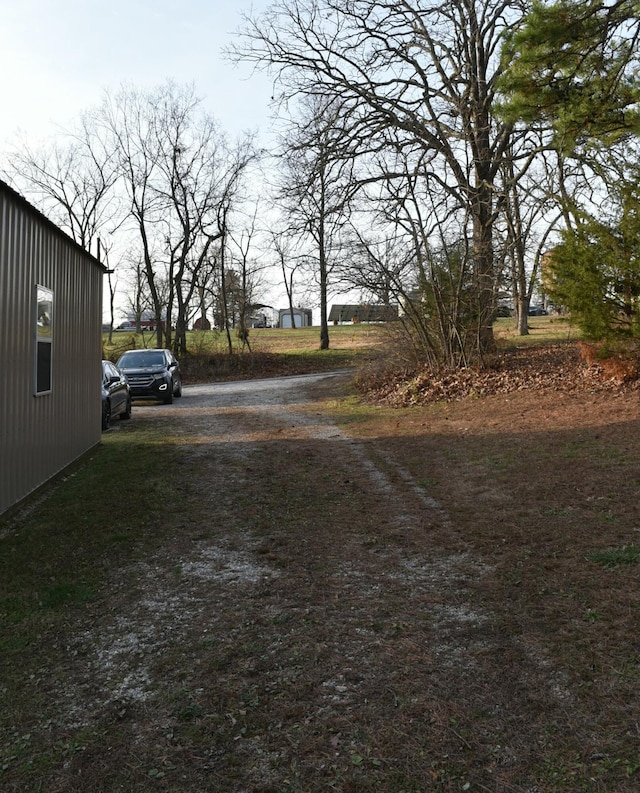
[(162, 380)]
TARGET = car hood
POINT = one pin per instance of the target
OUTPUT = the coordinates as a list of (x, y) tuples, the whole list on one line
[(143, 369)]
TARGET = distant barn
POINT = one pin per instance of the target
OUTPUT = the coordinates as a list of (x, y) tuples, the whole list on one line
[(363, 312), (302, 318), (50, 348)]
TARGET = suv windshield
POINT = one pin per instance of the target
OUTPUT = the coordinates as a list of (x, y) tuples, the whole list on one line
[(142, 358)]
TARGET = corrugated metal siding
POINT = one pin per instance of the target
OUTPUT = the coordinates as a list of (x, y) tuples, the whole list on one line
[(39, 436)]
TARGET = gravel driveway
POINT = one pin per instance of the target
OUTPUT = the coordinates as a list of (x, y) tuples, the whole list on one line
[(305, 617), (279, 610)]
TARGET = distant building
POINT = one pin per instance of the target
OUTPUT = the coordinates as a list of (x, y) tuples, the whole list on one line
[(50, 348), (202, 323), (146, 322), (302, 318), (131, 326), (259, 320), (363, 312)]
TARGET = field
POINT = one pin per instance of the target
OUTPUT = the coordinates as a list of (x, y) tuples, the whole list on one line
[(282, 351), (297, 590), (271, 351)]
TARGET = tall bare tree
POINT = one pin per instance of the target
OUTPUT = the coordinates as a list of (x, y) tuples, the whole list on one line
[(71, 180), (249, 268), (127, 118), (413, 75), (317, 187), (289, 263), (181, 178)]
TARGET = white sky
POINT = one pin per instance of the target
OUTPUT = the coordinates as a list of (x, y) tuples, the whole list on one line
[(58, 56)]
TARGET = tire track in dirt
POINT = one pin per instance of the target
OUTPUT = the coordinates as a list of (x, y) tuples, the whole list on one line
[(271, 413), (317, 624), (225, 427)]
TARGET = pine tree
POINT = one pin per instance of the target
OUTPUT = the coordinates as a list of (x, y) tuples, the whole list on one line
[(572, 66), (595, 271)]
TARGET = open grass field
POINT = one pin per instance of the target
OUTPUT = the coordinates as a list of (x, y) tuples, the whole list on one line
[(287, 341), (542, 330), (271, 351), (305, 592), (353, 338), (282, 351)]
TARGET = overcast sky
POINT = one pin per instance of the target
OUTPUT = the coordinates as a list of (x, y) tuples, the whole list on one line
[(58, 56)]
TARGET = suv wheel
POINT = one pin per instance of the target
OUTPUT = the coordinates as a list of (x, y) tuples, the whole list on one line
[(126, 414), (106, 416)]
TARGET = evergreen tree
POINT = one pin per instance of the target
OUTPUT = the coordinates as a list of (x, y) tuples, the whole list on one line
[(573, 65), (595, 271)]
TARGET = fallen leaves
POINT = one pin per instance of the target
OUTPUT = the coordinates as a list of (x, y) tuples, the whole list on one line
[(556, 367)]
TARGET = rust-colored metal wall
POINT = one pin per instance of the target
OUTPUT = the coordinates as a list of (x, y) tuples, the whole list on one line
[(41, 435)]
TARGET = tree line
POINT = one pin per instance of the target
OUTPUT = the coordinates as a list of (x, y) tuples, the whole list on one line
[(149, 177), (446, 157)]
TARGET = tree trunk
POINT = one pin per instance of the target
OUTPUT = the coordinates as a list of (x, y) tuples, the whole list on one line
[(180, 338), (484, 269), (225, 307), (522, 315), (324, 325)]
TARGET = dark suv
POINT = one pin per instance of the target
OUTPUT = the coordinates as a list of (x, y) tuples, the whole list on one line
[(152, 374), (116, 397)]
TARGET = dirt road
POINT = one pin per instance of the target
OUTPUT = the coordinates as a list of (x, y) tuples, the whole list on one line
[(276, 631), (308, 617)]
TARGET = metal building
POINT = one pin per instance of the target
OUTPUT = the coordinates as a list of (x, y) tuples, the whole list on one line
[(302, 317), (50, 349), (363, 312)]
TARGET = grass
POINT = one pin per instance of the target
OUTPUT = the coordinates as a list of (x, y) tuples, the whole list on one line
[(615, 557), (542, 330), (294, 341), (55, 563), (274, 351), (351, 339), (283, 351), (101, 512), (437, 599)]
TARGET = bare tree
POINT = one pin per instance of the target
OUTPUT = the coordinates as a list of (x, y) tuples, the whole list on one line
[(230, 184), (289, 263), (249, 270), (128, 119), (103, 256), (181, 179), (415, 248), (138, 300), (524, 206), (202, 173), (416, 76), (317, 186), (71, 180), (206, 281)]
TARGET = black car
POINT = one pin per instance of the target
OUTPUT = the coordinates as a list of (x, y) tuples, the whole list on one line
[(152, 374), (116, 396), (537, 311)]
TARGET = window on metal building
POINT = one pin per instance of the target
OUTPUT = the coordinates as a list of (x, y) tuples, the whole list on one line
[(43, 339)]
